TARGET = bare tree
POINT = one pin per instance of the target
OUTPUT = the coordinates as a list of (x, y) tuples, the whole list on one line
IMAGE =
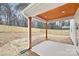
[(5, 12)]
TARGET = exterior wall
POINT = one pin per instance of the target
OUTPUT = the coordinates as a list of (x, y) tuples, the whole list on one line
[(76, 18), (73, 31)]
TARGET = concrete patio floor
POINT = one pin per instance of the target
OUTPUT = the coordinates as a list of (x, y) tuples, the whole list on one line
[(50, 48)]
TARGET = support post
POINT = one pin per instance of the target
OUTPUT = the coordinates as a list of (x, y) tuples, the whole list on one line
[(30, 36), (46, 31)]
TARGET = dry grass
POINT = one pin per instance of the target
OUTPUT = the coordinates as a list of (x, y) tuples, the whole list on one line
[(13, 39), (5, 28), (10, 29), (14, 29), (51, 31)]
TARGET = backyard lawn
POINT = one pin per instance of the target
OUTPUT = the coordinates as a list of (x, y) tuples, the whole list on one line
[(15, 38), (9, 33), (14, 29)]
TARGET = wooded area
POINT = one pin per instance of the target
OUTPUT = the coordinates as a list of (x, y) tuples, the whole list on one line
[(10, 14)]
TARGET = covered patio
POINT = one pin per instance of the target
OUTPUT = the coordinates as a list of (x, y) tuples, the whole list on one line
[(48, 12)]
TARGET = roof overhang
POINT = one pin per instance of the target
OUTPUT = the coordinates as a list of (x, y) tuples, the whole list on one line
[(38, 8), (51, 11)]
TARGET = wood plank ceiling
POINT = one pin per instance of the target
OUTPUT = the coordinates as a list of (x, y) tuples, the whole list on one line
[(66, 10)]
